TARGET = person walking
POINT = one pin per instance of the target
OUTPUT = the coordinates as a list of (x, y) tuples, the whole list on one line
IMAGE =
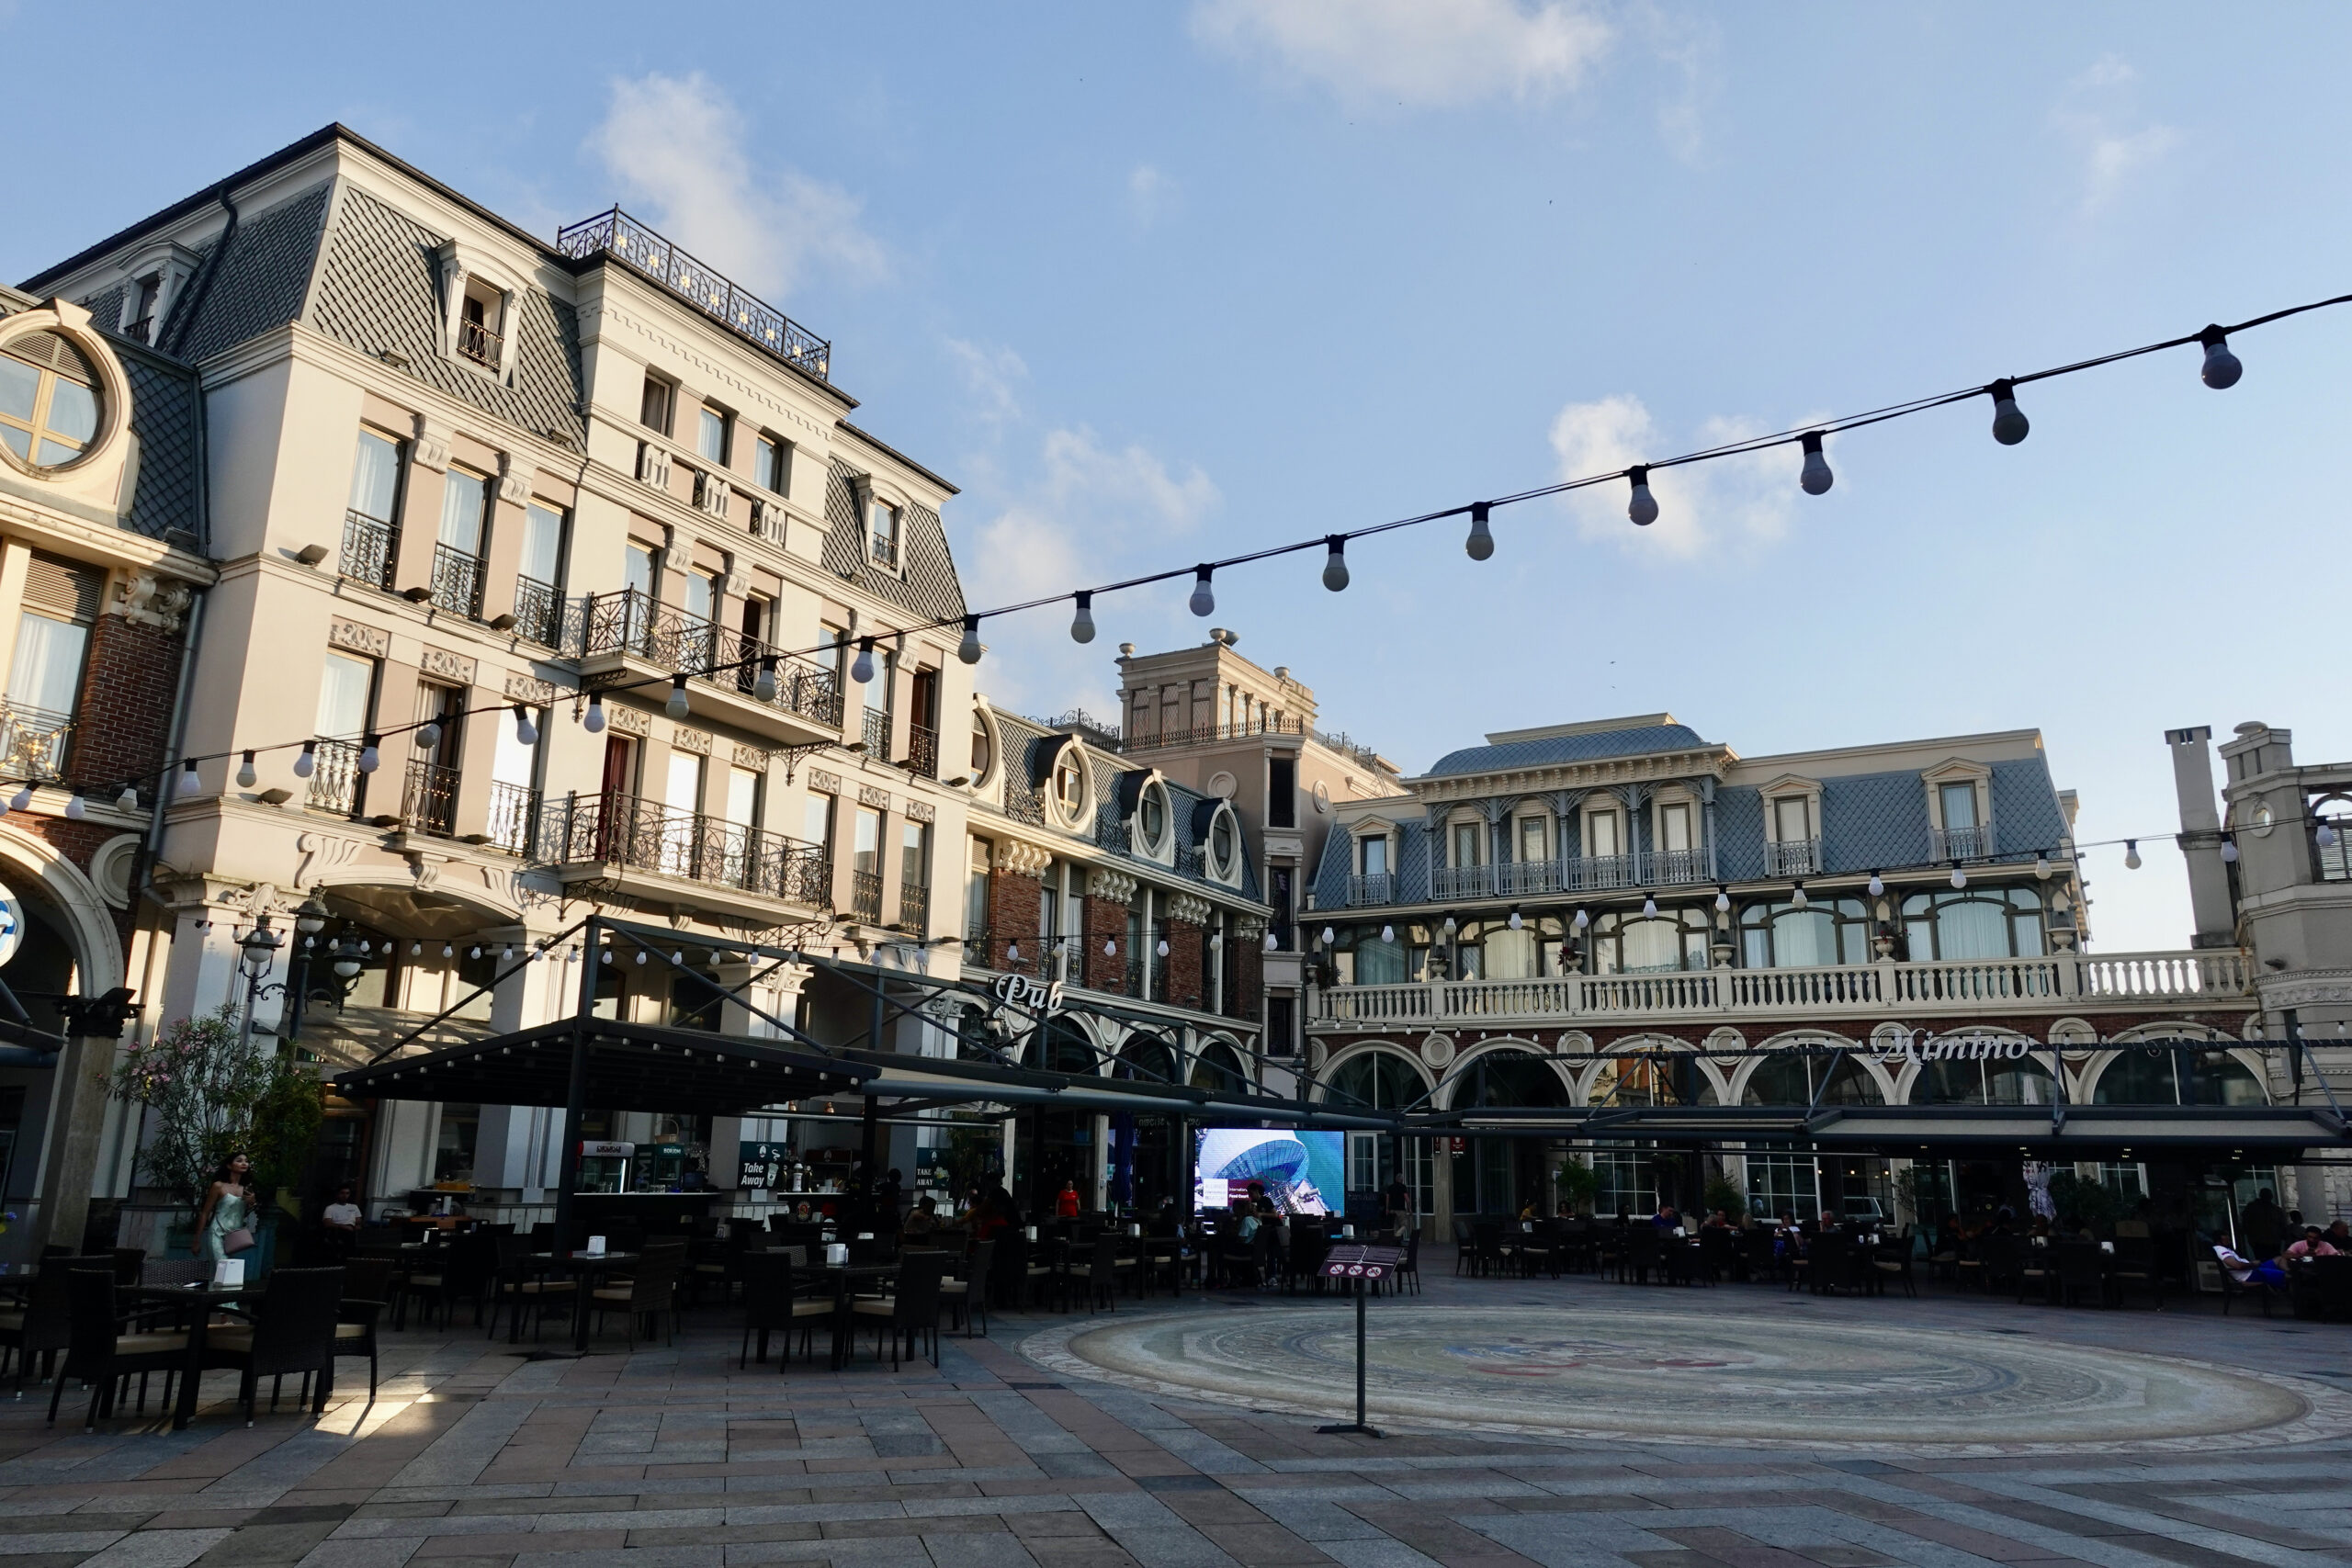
[(224, 1223)]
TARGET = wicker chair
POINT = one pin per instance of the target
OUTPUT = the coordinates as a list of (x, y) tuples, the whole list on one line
[(968, 1296), (99, 1351), (41, 1327), (517, 1287), (912, 1307), (367, 1290), (648, 1292), (293, 1330), (771, 1302)]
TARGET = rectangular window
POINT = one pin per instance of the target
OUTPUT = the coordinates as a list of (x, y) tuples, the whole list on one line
[(1602, 838), (464, 498), (684, 791), (1376, 856), (817, 821), (654, 411), (711, 434), (1282, 1026), (867, 847), (638, 570), (512, 762), (1957, 802), (772, 464), (542, 544), (914, 854), (345, 692), (1463, 845), (443, 706), (1674, 828), (1531, 839), (1793, 819), (1281, 793), (886, 533), (53, 643), (376, 477), (703, 591), (980, 861), (743, 797)]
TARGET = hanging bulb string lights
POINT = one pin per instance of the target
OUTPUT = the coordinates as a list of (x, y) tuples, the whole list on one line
[(2220, 369)]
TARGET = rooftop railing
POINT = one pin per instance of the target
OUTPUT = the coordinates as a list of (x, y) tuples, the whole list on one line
[(1110, 737), (617, 234)]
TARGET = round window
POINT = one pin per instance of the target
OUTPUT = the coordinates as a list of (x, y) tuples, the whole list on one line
[(1067, 787), (982, 751), (1221, 845), (1155, 817), (49, 404)]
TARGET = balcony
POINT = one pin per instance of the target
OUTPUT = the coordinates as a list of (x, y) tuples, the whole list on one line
[(477, 343), (456, 582), (336, 784), (1374, 888), (1962, 843), (538, 612), (646, 848), (914, 909), (865, 897), (1868, 993), (617, 234), (370, 545), (886, 550), (429, 801), (1792, 857), (923, 751), (513, 817), (632, 633), (33, 742), (1524, 878), (877, 734)]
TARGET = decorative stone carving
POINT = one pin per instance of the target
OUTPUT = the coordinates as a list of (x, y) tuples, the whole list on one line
[(1573, 1043), (736, 582), (712, 492), (1251, 928), (521, 688), (454, 668), (514, 481), (1189, 908), (629, 721), (877, 798), (652, 466), (1023, 860), (678, 555), (750, 757), (824, 782), (431, 448), (1437, 1050), (321, 853), (921, 811), (1223, 784), (146, 600), (373, 641), (110, 868), (1118, 886), (768, 520), (695, 740)]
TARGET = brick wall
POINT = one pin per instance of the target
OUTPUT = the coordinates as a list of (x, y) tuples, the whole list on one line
[(124, 722), (1106, 922), (1014, 901), (1187, 954), (1247, 957)]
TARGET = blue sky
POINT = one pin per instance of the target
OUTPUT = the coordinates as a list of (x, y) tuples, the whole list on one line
[(1161, 282)]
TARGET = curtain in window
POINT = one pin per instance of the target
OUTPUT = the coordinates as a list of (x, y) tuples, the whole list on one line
[(1379, 962), (542, 544), (343, 697), (512, 762), (1510, 954), (463, 497), (376, 477), (47, 673), (1972, 927)]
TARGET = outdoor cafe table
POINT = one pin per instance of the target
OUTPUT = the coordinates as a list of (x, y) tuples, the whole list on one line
[(845, 1277), (202, 1299), (589, 1266)]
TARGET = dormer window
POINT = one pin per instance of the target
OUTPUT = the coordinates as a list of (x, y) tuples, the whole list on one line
[(49, 401), (1960, 810), (480, 318), (138, 307), (1155, 817), (1224, 843), (885, 518), (1070, 783)]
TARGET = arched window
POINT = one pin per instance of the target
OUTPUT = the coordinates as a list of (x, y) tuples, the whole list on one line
[(1636, 944), (1826, 932), (1507, 1077), (1800, 1078), (1218, 1067), (1657, 1078), (1147, 1058), (1153, 810), (49, 400), (1972, 924), (2167, 1075), (2008, 1080), (1223, 844), (983, 748), (1063, 1047), (1378, 1081)]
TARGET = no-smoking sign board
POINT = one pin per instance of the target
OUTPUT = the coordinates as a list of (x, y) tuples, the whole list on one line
[(1354, 1262)]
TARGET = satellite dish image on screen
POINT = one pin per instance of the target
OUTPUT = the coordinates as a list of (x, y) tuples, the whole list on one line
[(1297, 1169)]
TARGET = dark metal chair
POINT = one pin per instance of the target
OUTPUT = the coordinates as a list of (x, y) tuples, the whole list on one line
[(366, 1295), (648, 1292), (41, 1327), (99, 1351), (2081, 1271), (967, 1296), (911, 1309), (293, 1330)]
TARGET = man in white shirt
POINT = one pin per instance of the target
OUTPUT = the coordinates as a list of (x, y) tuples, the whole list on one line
[(341, 1217)]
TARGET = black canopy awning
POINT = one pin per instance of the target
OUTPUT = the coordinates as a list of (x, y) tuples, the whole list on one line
[(2079, 1131), (627, 1064)]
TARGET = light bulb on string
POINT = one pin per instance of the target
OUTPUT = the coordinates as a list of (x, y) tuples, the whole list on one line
[(860, 668), (2229, 850), (1878, 885), (1335, 564), (1723, 900), (75, 806), (1274, 944), (677, 706), (1204, 599), (526, 732), (307, 762), (1328, 937), (1389, 934), (371, 756), (127, 800), (1797, 898), (764, 684), (1816, 477), (1480, 544), (2010, 423), (447, 950), (429, 736), (1162, 948), (1959, 877), (593, 721), (1514, 922), (1649, 907), (476, 952), (1582, 920), (191, 782), (2326, 835), (2042, 868), (246, 776), (7, 805), (968, 651), (1110, 947), (1643, 507), (506, 955), (640, 958), (2221, 369), (2131, 854), (23, 799), (1081, 622), (415, 948)]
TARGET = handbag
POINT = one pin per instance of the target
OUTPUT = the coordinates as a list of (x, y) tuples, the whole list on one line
[(238, 1240)]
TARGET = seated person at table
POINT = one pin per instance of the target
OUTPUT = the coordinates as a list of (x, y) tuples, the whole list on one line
[(924, 1220), (1167, 1223), (2339, 1236), (1666, 1219), (2312, 1242), (2267, 1273), (1245, 1221), (340, 1219), (1065, 1201), (1716, 1220)]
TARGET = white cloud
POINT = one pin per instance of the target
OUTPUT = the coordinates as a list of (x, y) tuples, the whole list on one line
[(992, 376), (1417, 52), (2116, 146), (677, 149), (1703, 508)]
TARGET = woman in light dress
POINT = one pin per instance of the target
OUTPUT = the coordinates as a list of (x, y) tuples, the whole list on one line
[(228, 1206)]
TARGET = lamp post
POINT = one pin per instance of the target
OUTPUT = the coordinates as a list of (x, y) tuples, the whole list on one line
[(308, 921), (257, 955)]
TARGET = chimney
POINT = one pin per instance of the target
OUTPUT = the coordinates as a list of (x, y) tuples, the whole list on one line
[(2201, 838)]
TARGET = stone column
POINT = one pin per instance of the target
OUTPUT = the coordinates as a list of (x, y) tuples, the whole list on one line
[(77, 1115)]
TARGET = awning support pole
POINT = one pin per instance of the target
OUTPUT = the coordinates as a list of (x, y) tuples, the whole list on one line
[(575, 1092)]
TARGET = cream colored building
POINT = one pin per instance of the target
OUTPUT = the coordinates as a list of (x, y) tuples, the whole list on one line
[(460, 473)]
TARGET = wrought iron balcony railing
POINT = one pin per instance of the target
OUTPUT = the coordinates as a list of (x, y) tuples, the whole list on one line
[(865, 897), (886, 550), (1792, 857), (1962, 843), (877, 734), (1372, 888), (923, 751), (336, 783), (538, 612), (456, 581), (429, 803), (914, 909), (514, 816), (479, 344), (33, 742), (645, 835), (633, 621), (617, 234), (369, 548)]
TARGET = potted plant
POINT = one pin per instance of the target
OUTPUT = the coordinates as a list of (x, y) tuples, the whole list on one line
[(1579, 1184)]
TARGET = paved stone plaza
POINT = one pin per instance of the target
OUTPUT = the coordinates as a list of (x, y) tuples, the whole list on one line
[(1950, 1430)]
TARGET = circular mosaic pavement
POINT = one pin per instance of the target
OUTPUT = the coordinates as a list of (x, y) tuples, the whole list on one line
[(1649, 1376)]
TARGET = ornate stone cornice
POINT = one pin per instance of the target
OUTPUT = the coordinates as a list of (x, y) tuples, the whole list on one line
[(1189, 908), (1023, 858), (1117, 887)]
